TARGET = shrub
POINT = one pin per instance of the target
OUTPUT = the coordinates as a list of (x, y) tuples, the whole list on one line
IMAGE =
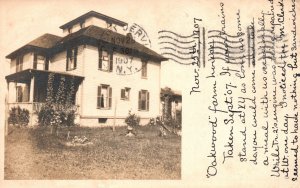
[(132, 120), (151, 122), (24, 116), (18, 116), (68, 118), (13, 118), (45, 115)]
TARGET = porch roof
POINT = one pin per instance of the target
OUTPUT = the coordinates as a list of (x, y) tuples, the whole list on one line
[(26, 75)]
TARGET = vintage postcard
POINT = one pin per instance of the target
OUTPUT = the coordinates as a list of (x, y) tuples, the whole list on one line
[(165, 93)]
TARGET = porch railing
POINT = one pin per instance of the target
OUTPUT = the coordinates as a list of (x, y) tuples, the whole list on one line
[(35, 107)]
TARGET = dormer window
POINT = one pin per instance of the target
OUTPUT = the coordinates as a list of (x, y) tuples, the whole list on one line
[(71, 59)]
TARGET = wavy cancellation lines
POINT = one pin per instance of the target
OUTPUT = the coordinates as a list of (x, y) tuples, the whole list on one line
[(229, 48), (176, 47)]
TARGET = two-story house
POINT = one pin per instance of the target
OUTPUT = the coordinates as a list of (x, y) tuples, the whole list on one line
[(112, 73)]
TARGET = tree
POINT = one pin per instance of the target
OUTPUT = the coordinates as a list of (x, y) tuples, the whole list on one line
[(58, 109)]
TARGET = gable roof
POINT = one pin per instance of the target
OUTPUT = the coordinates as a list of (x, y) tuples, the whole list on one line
[(43, 42), (93, 14), (108, 36)]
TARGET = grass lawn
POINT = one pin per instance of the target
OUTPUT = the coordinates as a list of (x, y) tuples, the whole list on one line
[(32, 153)]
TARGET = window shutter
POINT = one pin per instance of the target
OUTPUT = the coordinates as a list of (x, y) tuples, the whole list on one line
[(17, 64), (140, 101), (148, 95), (122, 93), (99, 97), (100, 57), (67, 63), (146, 64), (111, 61), (34, 61), (75, 57), (110, 97), (47, 63), (21, 63)]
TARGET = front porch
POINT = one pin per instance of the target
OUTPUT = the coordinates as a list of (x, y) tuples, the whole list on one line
[(28, 90)]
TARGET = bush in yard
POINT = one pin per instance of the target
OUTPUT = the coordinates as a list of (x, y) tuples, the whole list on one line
[(151, 122), (68, 118), (132, 120), (24, 116), (18, 116), (13, 117), (173, 123), (45, 115)]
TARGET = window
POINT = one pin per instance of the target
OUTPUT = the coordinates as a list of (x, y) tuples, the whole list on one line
[(105, 59), (19, 63), (144, 100), (71, 59), (102, 120), (39, 62), (144, 69), (104, 99), (22, 93), (19, 94), (125, 93)]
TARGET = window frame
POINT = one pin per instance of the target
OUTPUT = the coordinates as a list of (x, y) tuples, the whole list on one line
[(71, 58), (100, 105), (144, 69), (22, 93), (124, 97), (36, 59), (147, 101), (19, 94), (102, 49), (19, 63)]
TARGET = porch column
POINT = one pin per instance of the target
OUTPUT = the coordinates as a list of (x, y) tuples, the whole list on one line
[(6, 108), (31, 91), (31, 95)]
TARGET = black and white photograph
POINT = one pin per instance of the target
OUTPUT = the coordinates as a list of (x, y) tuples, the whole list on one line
[(132, 93), (89, 104)]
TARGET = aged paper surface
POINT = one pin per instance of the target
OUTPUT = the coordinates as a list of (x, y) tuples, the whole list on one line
[(236, 64)]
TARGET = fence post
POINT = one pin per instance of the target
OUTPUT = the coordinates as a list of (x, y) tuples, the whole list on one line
[(31, 99)]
